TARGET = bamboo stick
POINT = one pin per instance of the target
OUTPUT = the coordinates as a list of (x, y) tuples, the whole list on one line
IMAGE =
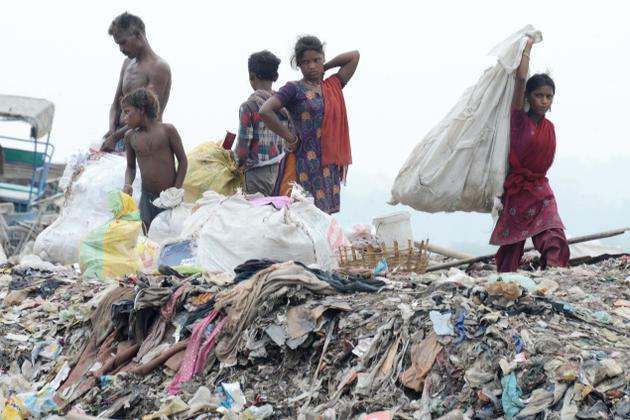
[(577, 239)]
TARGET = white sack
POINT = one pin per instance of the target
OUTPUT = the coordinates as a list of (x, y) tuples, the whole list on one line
[(230, 230), (86, 206), (169, 224), (462, 163)]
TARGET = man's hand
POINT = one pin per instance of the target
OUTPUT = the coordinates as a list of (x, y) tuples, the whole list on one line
[(128, 189), (108, 144)]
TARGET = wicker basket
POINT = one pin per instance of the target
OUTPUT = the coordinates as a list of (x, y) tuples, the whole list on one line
[(410, 260)]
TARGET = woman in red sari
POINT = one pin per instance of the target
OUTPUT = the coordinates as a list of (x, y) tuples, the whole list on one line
[(529, 206)]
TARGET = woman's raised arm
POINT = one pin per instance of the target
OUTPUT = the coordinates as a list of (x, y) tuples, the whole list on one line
[(347, 62), (518, 100)]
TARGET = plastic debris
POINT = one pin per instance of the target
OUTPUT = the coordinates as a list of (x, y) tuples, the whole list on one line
[(231, 396), (48, 349), (381, 266), (256, 413), (459, 326), (441, 323), (511, 396), (172, 405), (525, 282), (203, 400)]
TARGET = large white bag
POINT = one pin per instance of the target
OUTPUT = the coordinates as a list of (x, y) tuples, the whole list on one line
[(87, 180), (461, 164), (230, 230)]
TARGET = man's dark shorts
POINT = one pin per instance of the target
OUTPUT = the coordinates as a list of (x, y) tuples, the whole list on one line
[(147, 210)]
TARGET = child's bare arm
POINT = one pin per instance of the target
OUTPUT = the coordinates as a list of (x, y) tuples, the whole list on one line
[(178, 149), (130, 172)]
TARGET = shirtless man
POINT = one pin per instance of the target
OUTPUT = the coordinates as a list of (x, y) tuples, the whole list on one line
[(155, 145), (142, 68)]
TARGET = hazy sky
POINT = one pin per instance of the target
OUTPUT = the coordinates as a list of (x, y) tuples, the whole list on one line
[(417, 58)]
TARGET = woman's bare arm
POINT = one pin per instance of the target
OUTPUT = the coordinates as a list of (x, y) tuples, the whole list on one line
[(518, 100), (347, 62), (268, 114)]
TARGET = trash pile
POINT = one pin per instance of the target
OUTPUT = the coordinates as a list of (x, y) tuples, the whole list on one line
[(245, 307), (282, 340)]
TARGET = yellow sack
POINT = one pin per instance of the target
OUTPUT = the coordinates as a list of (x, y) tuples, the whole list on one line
[(111, 250), (211, 167)]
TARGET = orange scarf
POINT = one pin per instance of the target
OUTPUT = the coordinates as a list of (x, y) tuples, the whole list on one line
[(335, 133), (288, 175)]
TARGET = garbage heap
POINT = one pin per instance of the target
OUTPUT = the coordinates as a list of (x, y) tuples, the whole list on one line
[(281, 340)]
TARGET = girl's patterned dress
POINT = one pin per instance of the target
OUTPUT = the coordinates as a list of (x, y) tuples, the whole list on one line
[(306, 108)]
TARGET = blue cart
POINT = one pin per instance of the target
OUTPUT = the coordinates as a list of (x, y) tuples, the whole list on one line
[(25, 161), (24, 165)]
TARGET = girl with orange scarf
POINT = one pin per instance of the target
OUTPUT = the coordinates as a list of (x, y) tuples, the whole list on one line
[(320, 125)]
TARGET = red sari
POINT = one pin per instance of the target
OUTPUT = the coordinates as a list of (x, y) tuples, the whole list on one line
[(529, 206)]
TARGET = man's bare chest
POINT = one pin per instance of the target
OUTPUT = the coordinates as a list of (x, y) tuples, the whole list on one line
[(134, 77)]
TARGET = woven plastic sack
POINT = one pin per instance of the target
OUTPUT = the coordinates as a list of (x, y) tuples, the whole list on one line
[(211, 168), (461, 164), (230, 230), (111, 250)]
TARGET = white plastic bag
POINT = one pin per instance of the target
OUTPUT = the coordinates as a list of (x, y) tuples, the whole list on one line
[(461, 164), (169, 198), (87, 180)]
